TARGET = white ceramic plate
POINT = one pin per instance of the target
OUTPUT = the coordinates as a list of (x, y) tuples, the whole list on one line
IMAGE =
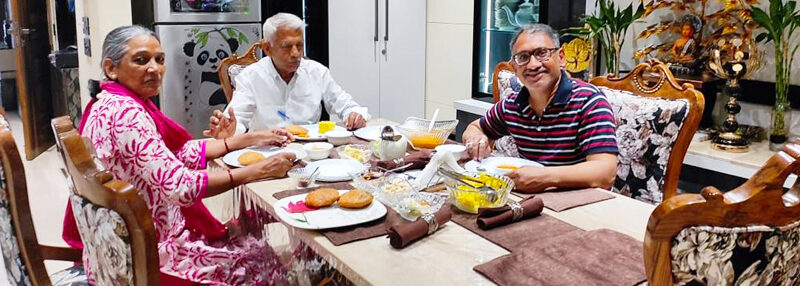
[(232, 158), (491, 164), (313, 132), (335, 170), (370, 133), (328, 217)]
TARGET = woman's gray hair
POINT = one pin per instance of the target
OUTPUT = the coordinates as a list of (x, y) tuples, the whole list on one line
[(534, 28), (281, 20), (115, 44)]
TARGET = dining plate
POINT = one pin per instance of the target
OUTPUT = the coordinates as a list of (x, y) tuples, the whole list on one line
[(369, 133), (313, 132), (232, 158), (327, 217), (335, 170), (500, 165)]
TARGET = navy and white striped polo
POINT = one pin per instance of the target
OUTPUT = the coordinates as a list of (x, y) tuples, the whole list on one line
[(577, 122)]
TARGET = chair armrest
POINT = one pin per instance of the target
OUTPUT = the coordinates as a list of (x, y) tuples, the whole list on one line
[(61, 253)]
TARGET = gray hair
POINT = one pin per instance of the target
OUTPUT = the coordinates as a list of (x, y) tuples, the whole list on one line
[(281, 20), (534, 28), (115, 44)]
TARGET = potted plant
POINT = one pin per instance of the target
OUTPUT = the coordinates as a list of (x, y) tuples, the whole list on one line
[(780, 25), (608, 26)]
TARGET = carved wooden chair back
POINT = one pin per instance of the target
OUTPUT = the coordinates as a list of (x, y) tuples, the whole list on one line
[(656, 119), (22, 254), (231, 66), (746, 236), (113, 219)]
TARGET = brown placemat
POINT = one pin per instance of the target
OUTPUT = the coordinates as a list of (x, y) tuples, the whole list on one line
[(563, 200), (598, 257), (513, 236), (342, 235)]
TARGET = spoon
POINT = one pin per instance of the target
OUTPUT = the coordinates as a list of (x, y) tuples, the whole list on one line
[(433, 119)]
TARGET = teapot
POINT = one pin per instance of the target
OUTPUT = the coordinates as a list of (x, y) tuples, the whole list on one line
[(390, 146), (523, 16)]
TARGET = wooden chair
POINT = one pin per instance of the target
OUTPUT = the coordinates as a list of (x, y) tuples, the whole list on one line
[(673, 114), (114, 221), (746, 236), (23, 255), (231, 66), (504, 81), (649, 170)]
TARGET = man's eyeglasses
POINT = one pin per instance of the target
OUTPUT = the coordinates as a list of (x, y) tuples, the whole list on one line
[(541, 55)]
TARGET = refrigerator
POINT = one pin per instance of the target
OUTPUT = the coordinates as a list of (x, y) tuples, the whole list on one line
[(196, 35)]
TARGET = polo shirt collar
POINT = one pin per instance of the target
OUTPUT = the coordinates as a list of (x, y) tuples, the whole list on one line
[(561, 96)]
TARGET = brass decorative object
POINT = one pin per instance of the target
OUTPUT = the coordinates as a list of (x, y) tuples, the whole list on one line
[(733, 58)]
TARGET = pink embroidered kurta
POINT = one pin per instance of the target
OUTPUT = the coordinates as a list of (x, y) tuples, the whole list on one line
[(128, 143)]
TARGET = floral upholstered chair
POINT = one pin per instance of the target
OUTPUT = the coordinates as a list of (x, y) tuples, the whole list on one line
[(113, 220), (656, 119), (746, 236), (655, 116), (231, 66), (22, 254)]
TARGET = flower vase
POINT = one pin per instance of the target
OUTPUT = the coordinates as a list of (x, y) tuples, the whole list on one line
[(779, 125)]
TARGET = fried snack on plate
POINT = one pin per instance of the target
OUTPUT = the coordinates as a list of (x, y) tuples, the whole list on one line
[(322, 197), (250, 157), (355, 199), (297, 130)]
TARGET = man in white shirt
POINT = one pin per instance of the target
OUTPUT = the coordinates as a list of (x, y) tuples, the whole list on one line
[(283, 87)]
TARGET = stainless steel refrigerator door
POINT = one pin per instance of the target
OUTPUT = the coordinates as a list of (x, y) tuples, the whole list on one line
[(191, 89), (172, 11)]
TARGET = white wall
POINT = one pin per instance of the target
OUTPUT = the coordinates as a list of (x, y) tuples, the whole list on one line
[(448, 60), (103, 16)]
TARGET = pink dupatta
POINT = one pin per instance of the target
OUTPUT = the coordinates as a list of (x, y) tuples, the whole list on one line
[(198, 218)]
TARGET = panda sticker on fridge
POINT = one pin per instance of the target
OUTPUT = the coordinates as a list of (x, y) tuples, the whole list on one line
[(191, 89)]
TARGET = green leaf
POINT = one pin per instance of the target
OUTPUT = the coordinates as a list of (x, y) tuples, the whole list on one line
[(639, 11), (231, 33), (761, 37), (761, 18), (203, 40), (790, 7), (243, 39)]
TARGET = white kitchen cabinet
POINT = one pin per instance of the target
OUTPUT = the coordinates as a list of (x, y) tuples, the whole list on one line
[(377, 54)]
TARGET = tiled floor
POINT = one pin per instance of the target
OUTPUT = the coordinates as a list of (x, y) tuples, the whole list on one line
[(47, 194)]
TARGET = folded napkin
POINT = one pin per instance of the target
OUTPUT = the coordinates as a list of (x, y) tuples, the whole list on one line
[(418, 160), (404, 234), (494, 217), (440, 158), (563, 200)]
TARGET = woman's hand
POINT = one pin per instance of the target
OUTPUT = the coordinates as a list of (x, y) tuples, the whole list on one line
[(272, 137), (274, 166)]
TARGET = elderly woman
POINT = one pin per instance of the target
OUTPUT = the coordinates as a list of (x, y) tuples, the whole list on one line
[(140, 145)]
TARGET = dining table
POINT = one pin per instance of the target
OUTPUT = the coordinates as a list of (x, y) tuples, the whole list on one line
[(446, 257)]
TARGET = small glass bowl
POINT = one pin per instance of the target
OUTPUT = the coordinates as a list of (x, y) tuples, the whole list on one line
[(358, 152), (469, 198), (301, 179)]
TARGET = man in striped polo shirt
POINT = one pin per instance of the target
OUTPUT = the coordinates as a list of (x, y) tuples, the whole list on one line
[(565, 124)]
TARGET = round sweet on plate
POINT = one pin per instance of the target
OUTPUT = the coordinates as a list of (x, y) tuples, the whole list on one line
[(250, 157), (322, 197), (355, 199)]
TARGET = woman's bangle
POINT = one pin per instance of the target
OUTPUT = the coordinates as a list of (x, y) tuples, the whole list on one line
[(227, 150), (230, 176)]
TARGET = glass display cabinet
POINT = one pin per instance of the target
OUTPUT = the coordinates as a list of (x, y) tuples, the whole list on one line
[(496, 22)]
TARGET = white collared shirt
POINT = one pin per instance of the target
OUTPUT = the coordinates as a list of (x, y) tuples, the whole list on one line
[(260, 92)]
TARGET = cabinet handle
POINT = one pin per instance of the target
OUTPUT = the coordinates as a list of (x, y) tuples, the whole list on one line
[(386, 34), (376, 21)]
